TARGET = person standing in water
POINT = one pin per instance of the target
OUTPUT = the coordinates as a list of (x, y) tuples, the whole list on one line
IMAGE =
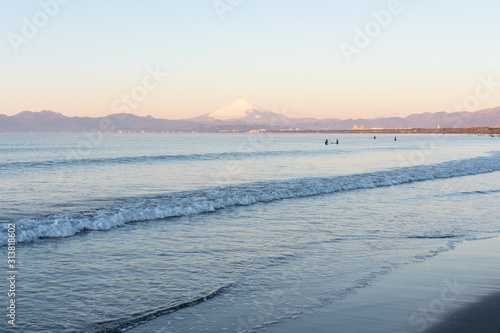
[(326, 142), (337, 142), (394, 138)]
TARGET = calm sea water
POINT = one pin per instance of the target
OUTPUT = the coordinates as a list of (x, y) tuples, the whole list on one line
[(228, 232)]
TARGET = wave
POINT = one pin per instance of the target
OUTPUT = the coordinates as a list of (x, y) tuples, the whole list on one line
[(151, 158), (445, 236), (461, 193), (213, 199), (481, 192), (119, 325)]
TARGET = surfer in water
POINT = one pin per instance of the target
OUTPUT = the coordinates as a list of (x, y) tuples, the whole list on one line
[(374, 137), (395, 139), (326, 142), (337, 142)]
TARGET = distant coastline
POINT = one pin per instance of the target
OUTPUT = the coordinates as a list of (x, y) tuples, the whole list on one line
[(243, 117), (468, 130), (489, 131)]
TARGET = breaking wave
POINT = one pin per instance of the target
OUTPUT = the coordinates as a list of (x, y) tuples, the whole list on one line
[(213, 199)]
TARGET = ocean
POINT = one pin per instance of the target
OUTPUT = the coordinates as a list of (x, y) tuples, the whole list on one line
[(227, 232)]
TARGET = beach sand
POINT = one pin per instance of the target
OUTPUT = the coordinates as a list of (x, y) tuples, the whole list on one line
[(455, 291), (480, 316)]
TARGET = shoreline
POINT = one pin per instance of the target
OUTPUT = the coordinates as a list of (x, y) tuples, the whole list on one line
[(466, 130), (488, 131), (455, 291)]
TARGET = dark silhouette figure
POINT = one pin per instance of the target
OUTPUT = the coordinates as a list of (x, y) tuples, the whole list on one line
[(374, 137), (337, 142), (394, 138), (326, 142)]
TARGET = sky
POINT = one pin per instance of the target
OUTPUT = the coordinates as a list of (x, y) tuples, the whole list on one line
[(178, 59)]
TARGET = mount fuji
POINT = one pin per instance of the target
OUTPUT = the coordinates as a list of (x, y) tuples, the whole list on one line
[(242, 112), (240, 115)]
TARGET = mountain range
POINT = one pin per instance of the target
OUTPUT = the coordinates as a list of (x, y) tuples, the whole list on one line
[(239, 115)]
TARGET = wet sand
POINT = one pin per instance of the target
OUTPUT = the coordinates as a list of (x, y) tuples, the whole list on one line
[(455, 291), (480, 316)]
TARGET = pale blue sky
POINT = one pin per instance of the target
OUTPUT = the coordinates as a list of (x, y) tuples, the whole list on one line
[(282, 55)]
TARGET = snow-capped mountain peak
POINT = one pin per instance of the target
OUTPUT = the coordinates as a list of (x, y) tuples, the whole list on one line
[(243, 112), (238, 109)]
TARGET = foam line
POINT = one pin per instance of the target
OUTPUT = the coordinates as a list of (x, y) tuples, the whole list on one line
[(213, 199)]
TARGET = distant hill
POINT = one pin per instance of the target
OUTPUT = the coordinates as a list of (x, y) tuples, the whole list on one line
[(240, 115), (48, 121), (242, 112)]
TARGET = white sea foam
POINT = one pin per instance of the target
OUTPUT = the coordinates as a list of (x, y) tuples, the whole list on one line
[(210, 200)]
